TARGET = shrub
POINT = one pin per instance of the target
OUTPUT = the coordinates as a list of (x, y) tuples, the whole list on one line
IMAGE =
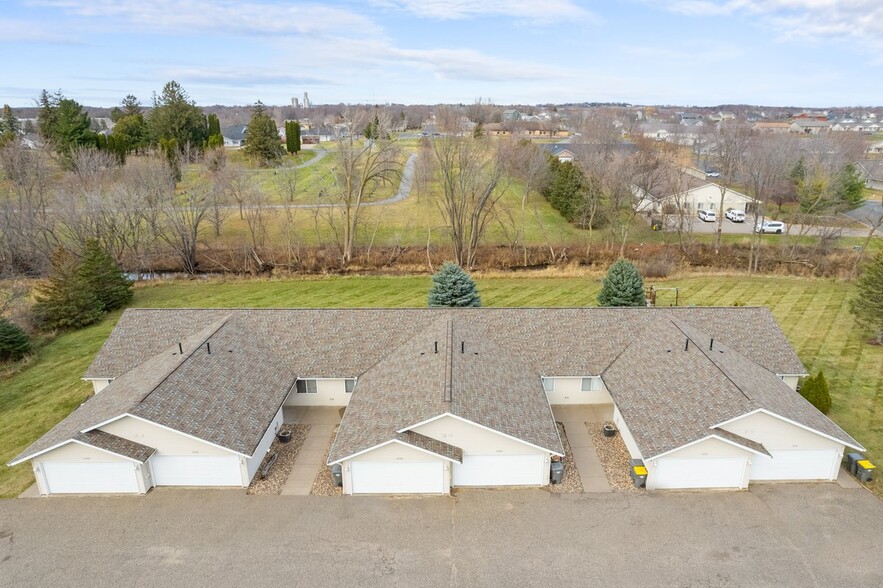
[(14, 342)]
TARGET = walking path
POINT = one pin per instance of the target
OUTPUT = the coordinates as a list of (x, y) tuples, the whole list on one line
[(574, 417), (322, 420)]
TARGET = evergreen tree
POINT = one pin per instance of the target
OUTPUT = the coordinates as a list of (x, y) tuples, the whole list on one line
[(10, 127), (131, 133), (849, 189), (453, 287), (105, 278), (295, 125), (815, 390), (292, 136), (214, 125), (66, 300), (566, 188), (14, 343), (478, 131), (261, 138), (175, 117), (867, 306), (623, 286), (64, 125)]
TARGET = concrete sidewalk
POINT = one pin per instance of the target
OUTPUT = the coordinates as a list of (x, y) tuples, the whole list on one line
[(574, 418), (322, 420)]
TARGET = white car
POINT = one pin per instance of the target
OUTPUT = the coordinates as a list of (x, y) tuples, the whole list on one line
[(708, 216), (776, 227), (736, 216)]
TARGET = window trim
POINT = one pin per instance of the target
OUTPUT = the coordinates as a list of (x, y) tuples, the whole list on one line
[(306, 386), (594, 386)]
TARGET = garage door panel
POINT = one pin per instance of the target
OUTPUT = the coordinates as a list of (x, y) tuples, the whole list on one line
[(90, 478), (796, 465), (187, 470), (371, 477), (677, 473), (501, 470)]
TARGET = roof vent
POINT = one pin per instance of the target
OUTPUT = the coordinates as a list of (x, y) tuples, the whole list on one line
[(208, 347), (711, 345), (687, 344), (180, 348)]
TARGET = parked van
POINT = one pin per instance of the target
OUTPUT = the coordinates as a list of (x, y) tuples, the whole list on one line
[(707, 215), (777, 227), (736, 216)]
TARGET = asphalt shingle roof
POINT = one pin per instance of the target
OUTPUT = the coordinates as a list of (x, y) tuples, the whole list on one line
[(117, 445), (229, 396)]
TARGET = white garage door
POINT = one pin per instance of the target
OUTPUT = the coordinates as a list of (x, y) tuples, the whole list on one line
[(88, 478), (796, 465), (423, 477), (188, 470), (501, 470), (700, 472)]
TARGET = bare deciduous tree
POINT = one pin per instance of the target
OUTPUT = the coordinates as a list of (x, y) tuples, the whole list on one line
[(731, 142), (470, 174), (364, 168)]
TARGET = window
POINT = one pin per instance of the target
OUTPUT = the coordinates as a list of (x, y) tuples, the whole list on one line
[(591, 384), (711, 206), (350, 383), (699, 205), (307, 387), (549, 384)]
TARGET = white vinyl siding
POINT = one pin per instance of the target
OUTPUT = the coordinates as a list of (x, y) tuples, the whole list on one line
[(321, 392), (254, 462), (577, 390)]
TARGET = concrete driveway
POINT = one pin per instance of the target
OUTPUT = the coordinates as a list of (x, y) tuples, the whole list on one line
[(776, 535)]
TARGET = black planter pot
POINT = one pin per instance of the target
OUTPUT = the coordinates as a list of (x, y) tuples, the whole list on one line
[(284, 436), (609, 430)]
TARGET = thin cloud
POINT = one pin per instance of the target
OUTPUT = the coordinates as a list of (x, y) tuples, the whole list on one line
[(22, 31), (219, 16), (537, 10), (242, 77)]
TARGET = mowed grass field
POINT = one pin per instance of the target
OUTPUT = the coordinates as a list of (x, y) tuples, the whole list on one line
[(812, 312)]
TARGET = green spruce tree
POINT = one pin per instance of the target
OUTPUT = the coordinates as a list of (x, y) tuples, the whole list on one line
[(292, 136), (815, 390), (10, 127), (262, 139), (14, 342), (453, 287), (174, 117), (104, 277), (623, 286), (867, 306), (66, 300)]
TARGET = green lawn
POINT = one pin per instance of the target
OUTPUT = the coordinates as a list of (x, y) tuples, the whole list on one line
[(813, 313)]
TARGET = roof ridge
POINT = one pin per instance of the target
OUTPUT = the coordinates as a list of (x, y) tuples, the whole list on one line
[(708, 355), (183, 359)]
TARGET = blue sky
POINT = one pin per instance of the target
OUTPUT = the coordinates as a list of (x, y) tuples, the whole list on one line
[(689, 52)]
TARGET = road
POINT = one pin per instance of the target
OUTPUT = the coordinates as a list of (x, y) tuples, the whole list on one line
[(746, 228), (806, 535)]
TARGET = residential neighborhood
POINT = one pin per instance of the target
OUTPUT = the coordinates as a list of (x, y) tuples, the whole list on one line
[(441, 293)]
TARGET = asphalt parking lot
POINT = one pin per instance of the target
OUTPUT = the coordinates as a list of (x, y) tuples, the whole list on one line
[(774, 535)]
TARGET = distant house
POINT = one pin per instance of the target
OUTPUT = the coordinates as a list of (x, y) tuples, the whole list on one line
[(871, 171), (510, 115), (563, 151), (772, 127), (234, 136), (496, 129), (810, 115), (876, 147), (697, 195), (810, 126)]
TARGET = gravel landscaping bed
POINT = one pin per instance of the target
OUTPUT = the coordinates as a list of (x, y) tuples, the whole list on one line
[(287, 453), (571, 483), (614, 457), (322, 485)]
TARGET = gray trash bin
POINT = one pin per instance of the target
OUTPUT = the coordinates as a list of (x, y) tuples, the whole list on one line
[(638, 473), (864, 470), (337, 475), (851, 460), (557, 472)]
